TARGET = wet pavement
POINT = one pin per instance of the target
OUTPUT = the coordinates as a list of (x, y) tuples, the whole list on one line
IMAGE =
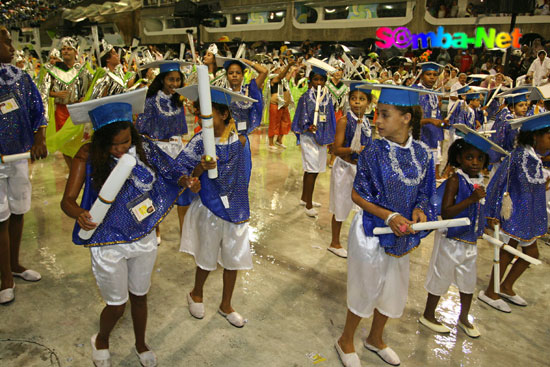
[(294, 298)]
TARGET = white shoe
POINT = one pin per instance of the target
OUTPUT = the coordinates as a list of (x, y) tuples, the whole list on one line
[(472, 332), (314, 203), (280, 145), (342, 252), (7, 295), (100, 357), (148, 358), (272, 148), (28, 275), (311, 212), (517, 300), (234, 318), (498, 304), (348, 359), (438, 328), (387, 354), (196, 309)]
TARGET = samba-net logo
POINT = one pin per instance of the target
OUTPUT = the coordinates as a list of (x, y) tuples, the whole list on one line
[(402, 38)]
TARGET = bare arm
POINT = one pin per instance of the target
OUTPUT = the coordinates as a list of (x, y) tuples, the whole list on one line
[(260, 69), (449, 208)]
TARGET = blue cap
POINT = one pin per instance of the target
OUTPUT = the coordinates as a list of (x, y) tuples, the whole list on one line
[(104, 111), (399, 95), (226, 62), (532, 123), (356, 85), (217, 94), (427, 66), (463, 90), (318, 71), (109, 113), (165, 66), (515, 95), (479, 141)]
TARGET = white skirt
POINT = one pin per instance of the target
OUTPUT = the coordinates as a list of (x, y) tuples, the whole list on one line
[(341, 185), (119, 269), (212, 240), (314, 156), (452, 262), (375, 279), (172, 147)]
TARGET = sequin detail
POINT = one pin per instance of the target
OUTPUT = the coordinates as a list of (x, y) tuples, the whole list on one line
[(538, 177), (396, 167), (164, 104)]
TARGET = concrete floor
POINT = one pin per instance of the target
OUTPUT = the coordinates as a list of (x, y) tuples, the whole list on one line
[(294, 298)]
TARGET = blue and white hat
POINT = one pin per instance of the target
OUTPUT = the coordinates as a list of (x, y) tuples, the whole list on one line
[(356, 85), (477, 140), (399, 95), (166, 65), (226, 62), (320, 67), (430, 65), (532, 123), (515, 95), (217, 94), (104, 111)]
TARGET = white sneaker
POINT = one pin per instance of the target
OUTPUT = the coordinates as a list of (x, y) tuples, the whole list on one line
[(342, 252), (311, 212)]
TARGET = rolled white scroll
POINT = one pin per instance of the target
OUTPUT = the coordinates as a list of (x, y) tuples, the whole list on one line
[(14, 157), (109, 191), (208, 139), (496, 262), (493, 241), (317, 101), (428, 226)]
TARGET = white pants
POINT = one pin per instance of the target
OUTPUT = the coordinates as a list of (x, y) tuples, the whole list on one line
[(452, 262), (212, 240), (341, 185), (314, 156), (119, 269), (15, 189), (375, 279)]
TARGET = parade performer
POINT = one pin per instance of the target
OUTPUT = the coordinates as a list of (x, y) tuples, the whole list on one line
[(22, 129), (394, 184), (314, 135), (353, 134), (113, 80), (163, 120), (123, 247), (247, 115), (516, 198), (280, 100), (432, 124), (455, 252), (67, 82), (215, 229)]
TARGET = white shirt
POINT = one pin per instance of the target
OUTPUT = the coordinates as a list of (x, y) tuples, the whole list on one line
[(539, 70)]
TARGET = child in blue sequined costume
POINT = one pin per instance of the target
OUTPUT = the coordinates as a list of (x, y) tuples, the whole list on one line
[(504, 135), (215, 229), (163, 119), (314, 139), (247, 115), (123, 248), (355, 123), (394, 184), (522, 177), (454, 254)]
